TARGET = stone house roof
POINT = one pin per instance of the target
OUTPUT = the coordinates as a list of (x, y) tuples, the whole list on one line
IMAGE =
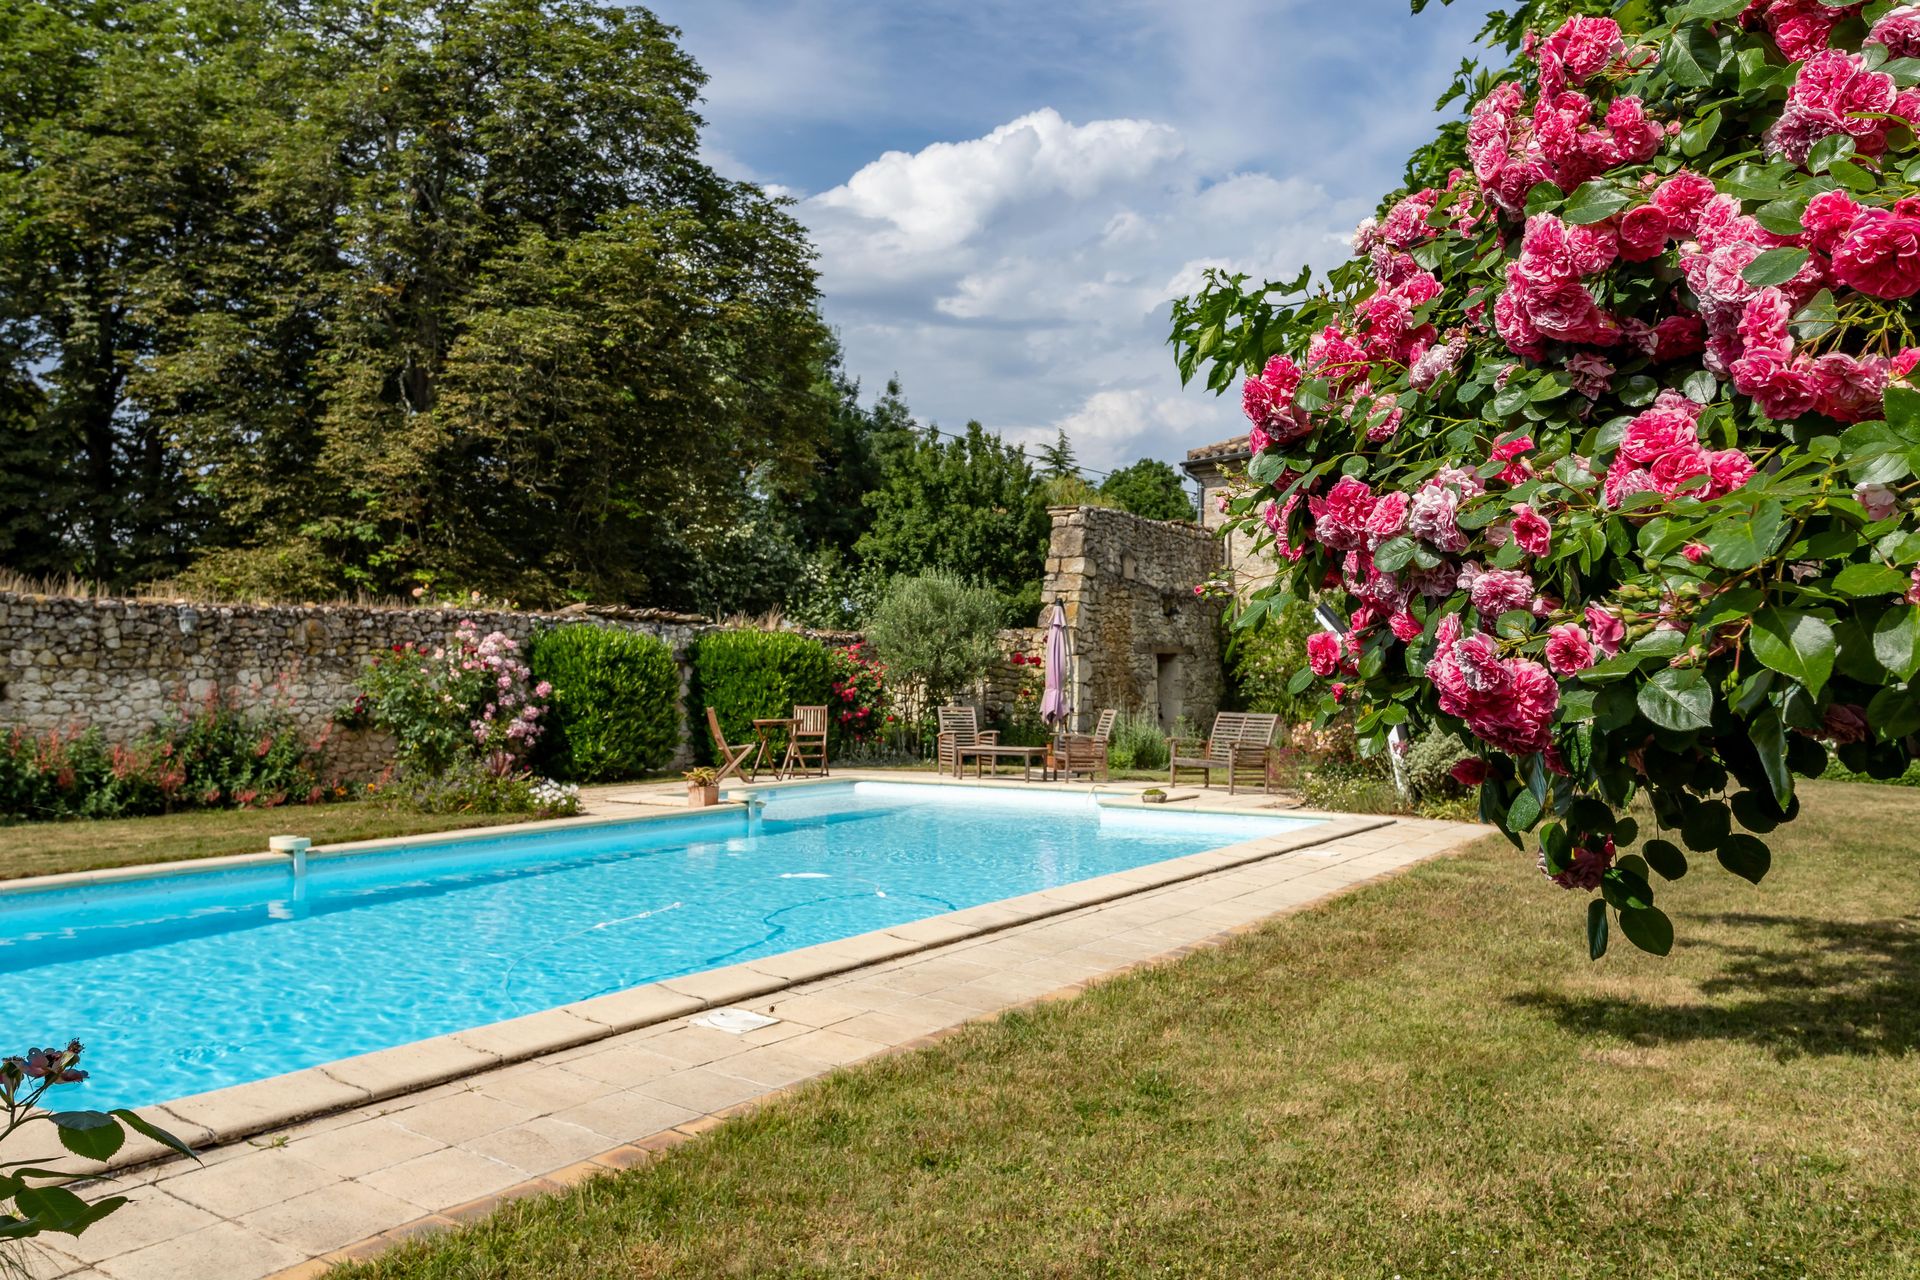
[(1209, 457)]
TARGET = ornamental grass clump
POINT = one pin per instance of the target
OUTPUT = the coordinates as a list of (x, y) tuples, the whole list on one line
[(1605, 442)]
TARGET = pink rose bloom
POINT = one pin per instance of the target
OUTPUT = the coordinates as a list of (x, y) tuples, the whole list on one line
[(1340, 518), (1695, 552), (1678, 337), (1591, 374), (1268, 403), (1496, 591), (1433, 515), (1913, 586), (1849, 388), (1673, 472), (1680, 198), (1387, 519), (1876, 498), (1780, 390), (1607, 630), (1763, 324), (1469, 771), (1337, 357), (1880, 255), (1568, 649), (1827, 217), (1623, 481), (1435, 363), (1323, 653), (1592, 859), (1903, 363), (1404, 625), (1582, 47), (1655, 433), (1643, 233), (1727, 470), (1530, 530), (1517, 470), (1406, 223), (1899, 30)]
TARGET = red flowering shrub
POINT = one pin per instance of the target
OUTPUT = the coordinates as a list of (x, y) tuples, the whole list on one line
[(860, 711), (1608, 435)]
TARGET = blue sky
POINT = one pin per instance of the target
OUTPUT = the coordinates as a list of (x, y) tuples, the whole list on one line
[(1005, 195)]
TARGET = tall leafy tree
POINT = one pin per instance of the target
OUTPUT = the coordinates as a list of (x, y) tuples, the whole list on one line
[(1057, 461), (331, 292), (1149, 488), (970, 504)]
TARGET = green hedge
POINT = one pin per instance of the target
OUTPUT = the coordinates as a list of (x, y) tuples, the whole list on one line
[(754, 675), (616, 702)]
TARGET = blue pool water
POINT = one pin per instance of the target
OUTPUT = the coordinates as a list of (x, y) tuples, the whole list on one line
[(196, 980)]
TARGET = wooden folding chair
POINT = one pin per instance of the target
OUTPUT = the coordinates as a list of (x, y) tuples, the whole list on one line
[(807, 742), (731, 760)]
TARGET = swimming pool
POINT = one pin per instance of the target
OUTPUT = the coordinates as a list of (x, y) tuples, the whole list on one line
[(189, 981)]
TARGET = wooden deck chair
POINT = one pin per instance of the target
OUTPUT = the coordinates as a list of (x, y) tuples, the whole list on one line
[(960, 729), (1085, 753), (1241, 743), (807, 743), (731, 761)]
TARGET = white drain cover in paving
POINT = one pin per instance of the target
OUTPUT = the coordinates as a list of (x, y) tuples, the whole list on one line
[(735, 1021)]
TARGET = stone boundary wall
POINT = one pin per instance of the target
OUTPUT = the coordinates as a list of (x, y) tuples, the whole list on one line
[(121, 665)]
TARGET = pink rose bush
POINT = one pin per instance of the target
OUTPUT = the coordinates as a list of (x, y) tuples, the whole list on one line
[(1604, 442)]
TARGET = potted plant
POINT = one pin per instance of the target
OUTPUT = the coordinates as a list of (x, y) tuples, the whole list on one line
[(703, 787), (1153, 795)]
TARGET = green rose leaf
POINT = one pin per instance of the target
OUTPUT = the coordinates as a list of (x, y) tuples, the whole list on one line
[(1596, 202), (1648, 929), (94, 1135), (1896, 640), (1746, 857), (1393, 554), (1775, 266), (1769, 738), (1596, 929), (1678, 700), (1870, 580), (1742, 539), (1665, 857), (1797, 645)]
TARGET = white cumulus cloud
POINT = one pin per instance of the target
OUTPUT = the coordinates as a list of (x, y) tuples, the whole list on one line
[(1023, 277)]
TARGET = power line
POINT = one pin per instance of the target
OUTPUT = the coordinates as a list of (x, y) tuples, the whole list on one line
[(954, 435)]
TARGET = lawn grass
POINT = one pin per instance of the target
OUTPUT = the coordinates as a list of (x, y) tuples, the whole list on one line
[(1425, 1078), (47, 848)]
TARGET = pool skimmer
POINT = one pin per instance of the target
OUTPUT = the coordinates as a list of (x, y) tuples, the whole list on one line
[(735, 1022)]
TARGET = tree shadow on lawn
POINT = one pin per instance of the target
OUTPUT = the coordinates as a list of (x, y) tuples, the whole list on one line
[(1831, 987)]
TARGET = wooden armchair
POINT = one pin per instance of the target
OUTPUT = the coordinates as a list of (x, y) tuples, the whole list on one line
[(1084, 753), (959, 729), (1240, 743)]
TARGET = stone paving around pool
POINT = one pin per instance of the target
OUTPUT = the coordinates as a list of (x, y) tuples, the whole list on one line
[(293, 1202)]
